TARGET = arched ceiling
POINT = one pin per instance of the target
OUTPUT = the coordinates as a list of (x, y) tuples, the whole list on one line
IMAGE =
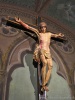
[(60, 11)]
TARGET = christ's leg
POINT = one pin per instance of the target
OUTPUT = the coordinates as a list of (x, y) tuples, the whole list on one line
[(48, 74), (43, 70)]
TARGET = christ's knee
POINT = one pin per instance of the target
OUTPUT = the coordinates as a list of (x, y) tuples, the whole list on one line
[(50, 68)]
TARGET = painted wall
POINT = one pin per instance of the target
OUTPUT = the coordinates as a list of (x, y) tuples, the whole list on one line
[(24, 83)]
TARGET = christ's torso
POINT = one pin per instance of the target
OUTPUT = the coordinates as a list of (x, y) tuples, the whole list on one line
[(44, 41)]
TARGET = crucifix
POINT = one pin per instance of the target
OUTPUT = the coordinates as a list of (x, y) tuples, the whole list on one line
[(12, 22)]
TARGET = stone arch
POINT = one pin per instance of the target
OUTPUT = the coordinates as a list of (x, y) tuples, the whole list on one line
[(21, 48)]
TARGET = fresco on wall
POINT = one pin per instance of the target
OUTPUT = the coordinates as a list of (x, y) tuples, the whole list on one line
[(23, 85), (63, 10)]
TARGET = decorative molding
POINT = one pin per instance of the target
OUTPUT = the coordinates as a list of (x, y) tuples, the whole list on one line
[(65, 47), (23, 4), (4, 56), (8, 31), (18, 8)]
